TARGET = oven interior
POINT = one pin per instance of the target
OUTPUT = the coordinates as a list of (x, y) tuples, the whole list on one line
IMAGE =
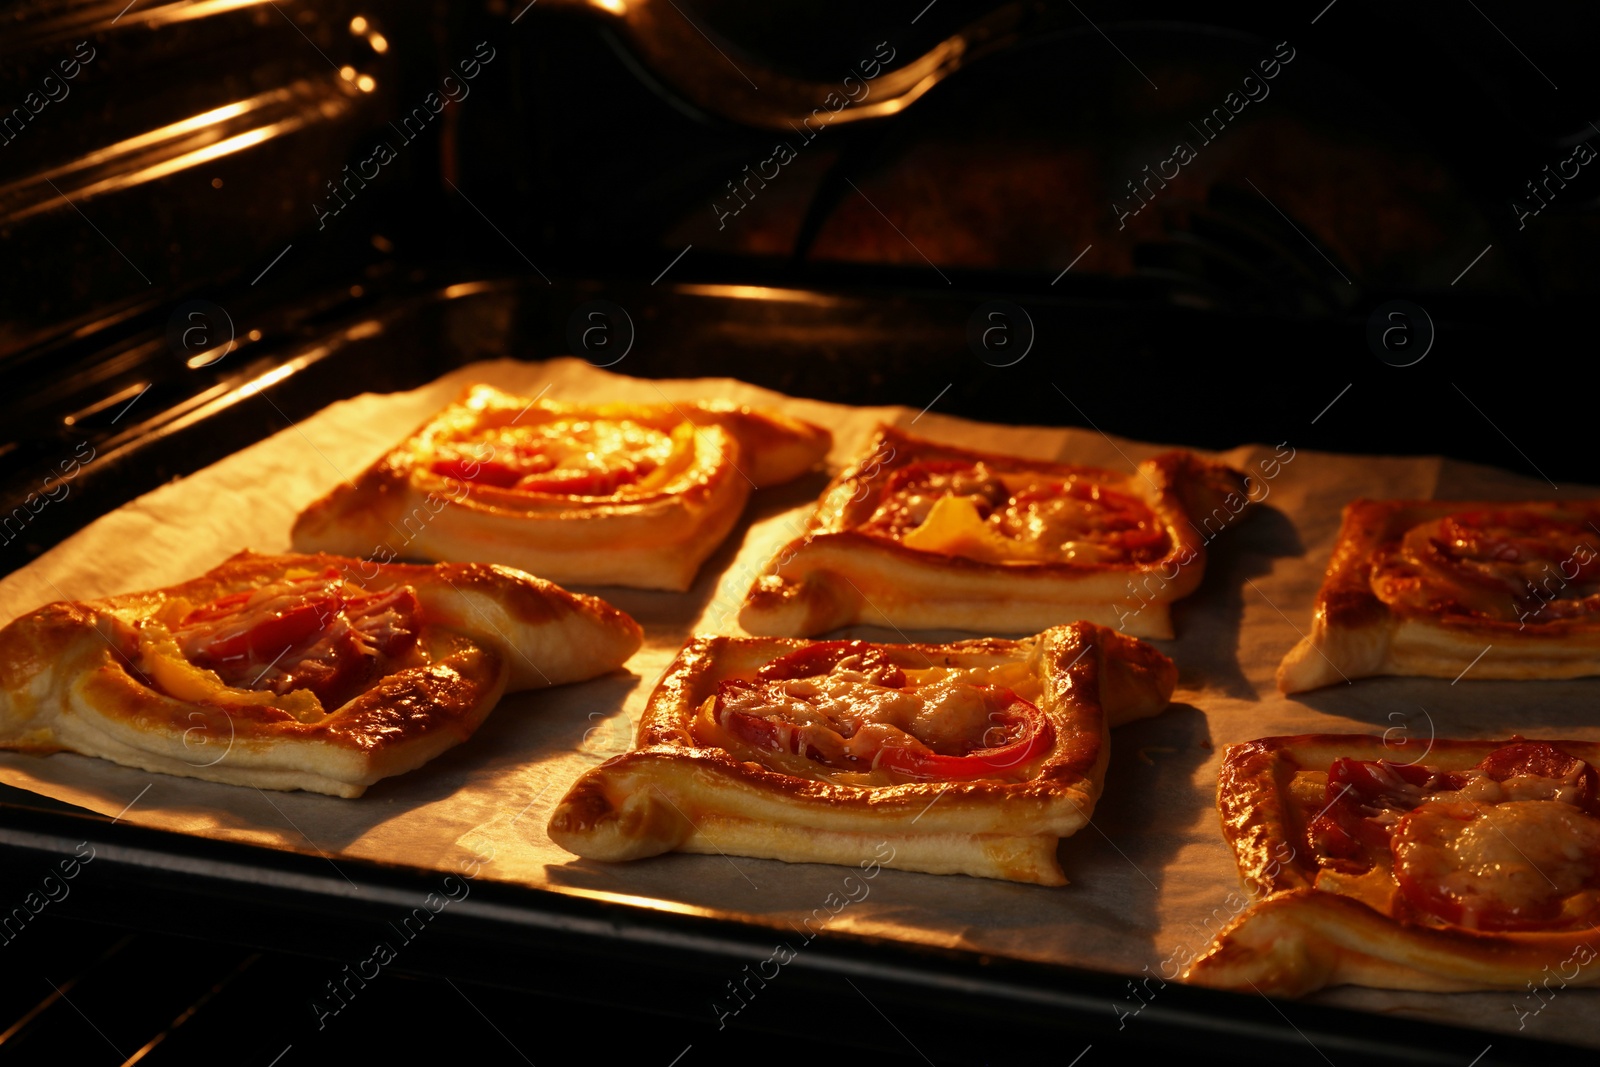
[(231, 214)]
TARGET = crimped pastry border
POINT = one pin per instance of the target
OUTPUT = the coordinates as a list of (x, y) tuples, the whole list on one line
[(655, 540), (671, 794), (1297, 939), (834, 576), (1354, 634), (70, 678)]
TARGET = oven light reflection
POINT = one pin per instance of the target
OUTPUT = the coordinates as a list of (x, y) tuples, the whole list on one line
[(267, 380), (461, 289), (761, 292), (632, 900), (188, 12)]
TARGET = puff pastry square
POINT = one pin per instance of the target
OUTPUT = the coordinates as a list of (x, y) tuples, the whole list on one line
[(1434, 587), (920, 535), (1471, 865), (311, 672), (975, 757), (606, 494)]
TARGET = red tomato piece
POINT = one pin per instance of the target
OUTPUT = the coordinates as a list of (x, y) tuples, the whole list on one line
[(1532, 757), (223, 605), (275, 631), (499, 475), (1360, 794), (1543, 760), (1034, 735), (579, 482), (764, 715), (822, 657), (301, 635)]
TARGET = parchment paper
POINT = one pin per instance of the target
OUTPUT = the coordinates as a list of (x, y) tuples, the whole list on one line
[(1151, 878)]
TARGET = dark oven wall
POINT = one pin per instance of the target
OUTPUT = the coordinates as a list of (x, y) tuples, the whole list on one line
[(184, 188), (152, 151), (1342, 158), (1359, 228)]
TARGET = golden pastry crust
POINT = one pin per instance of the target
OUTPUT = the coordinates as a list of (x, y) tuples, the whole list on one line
[(109, 677), (665, 483), (1425, 587), (674, 792), (851, 567), (1315, 924)]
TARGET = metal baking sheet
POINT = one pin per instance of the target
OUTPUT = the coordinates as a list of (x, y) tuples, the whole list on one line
[(1150, 877)]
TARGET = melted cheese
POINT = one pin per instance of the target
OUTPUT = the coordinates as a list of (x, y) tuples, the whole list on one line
[(162, 659), (1310, 789), (1376, 888), (1058, 528), (176, 652), (955, 528), (1506, 566), (939, 708), (1513, 857), (642, 458), (1491, 594), (1479, 788), (1512, 846)]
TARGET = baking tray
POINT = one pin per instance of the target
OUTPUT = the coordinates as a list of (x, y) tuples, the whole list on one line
[(162, 881), (953, 1006)]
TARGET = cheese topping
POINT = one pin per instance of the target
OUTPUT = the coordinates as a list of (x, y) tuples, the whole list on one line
[(1498, 866), (567, 456), (1506, 566), (301, 645), (1512, 844), (868, 724), (1015, 517)]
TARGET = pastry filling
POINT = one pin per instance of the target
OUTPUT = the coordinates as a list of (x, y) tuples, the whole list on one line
[(843, 711), (566, 457), (303, 644), (1506, 565), (1512, 844), (962, 509)]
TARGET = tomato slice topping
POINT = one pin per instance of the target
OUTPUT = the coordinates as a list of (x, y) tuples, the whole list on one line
[(1540, 759), (1361, 798), (487, 472), (1516, 537), (264, 621), (1503, 565), (776, 734), (280, 627), (578, 456), (502, 464), (307, 634), (579, 482), (534, 472), (350, 653), (223, 605), (1124, 518), (845, 705), (947, 475), (1031, 736)]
